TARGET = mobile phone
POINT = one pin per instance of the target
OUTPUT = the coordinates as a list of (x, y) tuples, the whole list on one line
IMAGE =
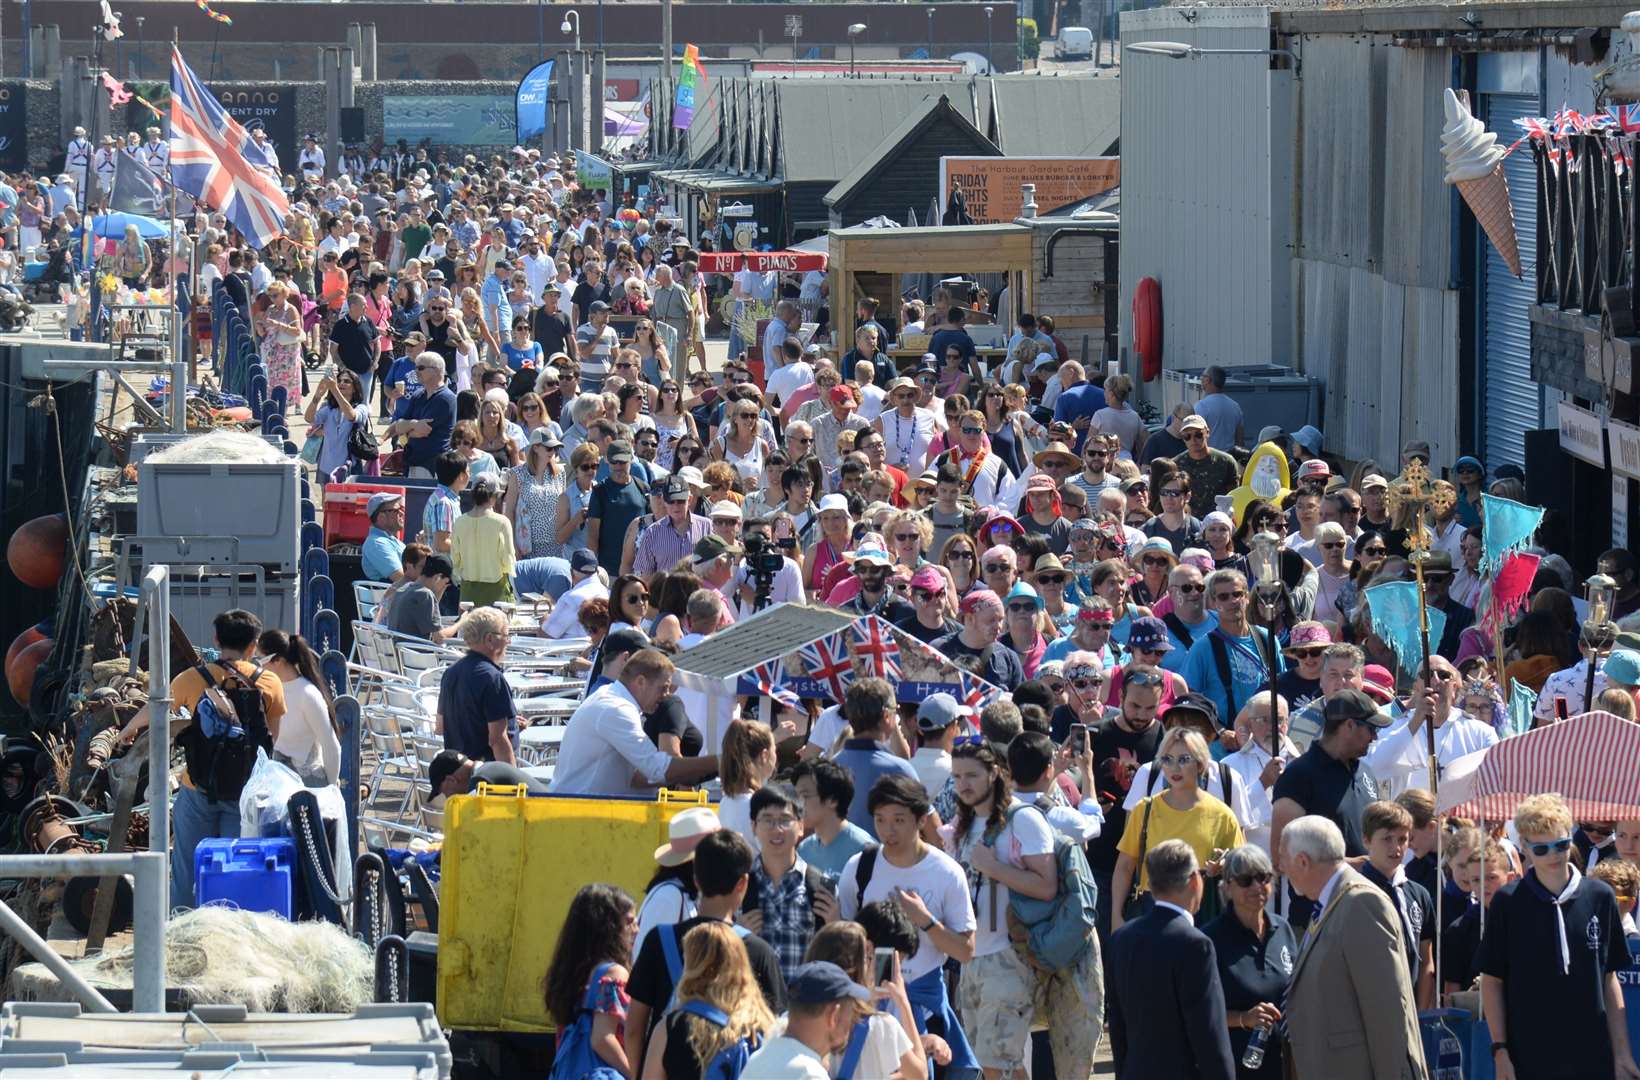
[(1079, 737), (882, 966)]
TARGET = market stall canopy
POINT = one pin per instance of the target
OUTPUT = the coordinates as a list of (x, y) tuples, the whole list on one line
[(788, 261), (1591, 760)]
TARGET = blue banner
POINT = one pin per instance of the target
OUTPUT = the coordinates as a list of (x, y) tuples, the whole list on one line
[(531, 104), (805, 687)]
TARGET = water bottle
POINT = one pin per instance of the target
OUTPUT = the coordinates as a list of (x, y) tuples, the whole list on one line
[(1253, 1056)]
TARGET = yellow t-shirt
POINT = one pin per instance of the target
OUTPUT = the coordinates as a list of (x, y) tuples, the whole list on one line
[(481, 547), (188, 687), (1209, 826)]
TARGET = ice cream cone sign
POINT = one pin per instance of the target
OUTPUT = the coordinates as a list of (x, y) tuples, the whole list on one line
[(1474, 162)]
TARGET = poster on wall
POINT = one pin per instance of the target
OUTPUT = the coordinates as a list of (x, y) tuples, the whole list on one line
[(13, 128), (991, 185), (464, 120), (271, 107)]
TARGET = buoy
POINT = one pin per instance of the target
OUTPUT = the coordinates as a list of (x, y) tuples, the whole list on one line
[(38, 632), (37, 551), (20, 672)]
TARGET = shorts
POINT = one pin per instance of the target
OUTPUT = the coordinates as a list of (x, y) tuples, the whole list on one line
[(996, 998)]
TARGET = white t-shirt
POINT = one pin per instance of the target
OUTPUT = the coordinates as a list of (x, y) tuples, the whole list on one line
[(694, 704), (871, 402), (305, 734), (735, 812), (936, 878), (790, 378), (565, 619), (827, 726), (886, 1042), (1027, 834), (664, 905), (784, 1059)]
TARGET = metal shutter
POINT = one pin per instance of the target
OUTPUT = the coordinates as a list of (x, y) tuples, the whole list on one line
[(1510, 398)]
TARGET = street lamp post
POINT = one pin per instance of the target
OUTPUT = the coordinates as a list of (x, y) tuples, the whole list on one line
[(1178, 50), (931, 32), (990, 68), (540, 31), (854, 31), (139, 19)]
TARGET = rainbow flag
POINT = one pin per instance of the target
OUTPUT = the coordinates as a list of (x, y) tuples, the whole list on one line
[(691, 77)]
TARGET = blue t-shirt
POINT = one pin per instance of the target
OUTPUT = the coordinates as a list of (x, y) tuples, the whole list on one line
[(1223, 417), (439, 410), (472, 695), (1174, 660), (517, 357), (545, 574), (382, 555), (868, 763), (1249, 669), (1078, 403), (830, 858), (402, 370)]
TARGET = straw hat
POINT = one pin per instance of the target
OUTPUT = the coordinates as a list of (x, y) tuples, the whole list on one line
[(684, 833), (1056, 450)]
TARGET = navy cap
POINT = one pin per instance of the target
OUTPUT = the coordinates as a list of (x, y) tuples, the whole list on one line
[(620, 642), (583, 561), (1149, 633), (1351, 704), (822, 983)]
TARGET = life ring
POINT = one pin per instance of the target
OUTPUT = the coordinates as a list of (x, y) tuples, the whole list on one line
[(1147, 327)]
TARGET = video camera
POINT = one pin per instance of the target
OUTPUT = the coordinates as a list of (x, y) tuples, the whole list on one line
[(763, 562)]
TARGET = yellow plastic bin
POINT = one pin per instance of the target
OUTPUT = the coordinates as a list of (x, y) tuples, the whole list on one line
[(511, 865)]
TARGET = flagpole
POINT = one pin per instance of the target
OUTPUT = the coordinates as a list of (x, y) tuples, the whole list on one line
[(179, 366)]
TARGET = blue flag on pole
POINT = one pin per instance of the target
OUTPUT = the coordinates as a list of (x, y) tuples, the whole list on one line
[(1394, 606), (530, 104)]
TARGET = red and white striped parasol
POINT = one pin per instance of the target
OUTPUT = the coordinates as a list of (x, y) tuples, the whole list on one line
[(1592, 760)]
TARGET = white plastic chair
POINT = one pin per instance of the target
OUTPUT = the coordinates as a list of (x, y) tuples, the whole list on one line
[(368, 596)]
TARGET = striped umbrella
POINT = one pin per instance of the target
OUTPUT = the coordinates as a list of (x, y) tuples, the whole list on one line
[(1592, 760)]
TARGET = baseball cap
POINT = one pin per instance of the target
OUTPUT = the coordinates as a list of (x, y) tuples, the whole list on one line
[(821, 983), (940, 711), (1044, 359), (1194, 420), (503, 264), (675, 488), (684, 833), (1195, 702), (835, 501), (1378, 683), (1415, 448), (598, 305), (728, 508), (1373, 480), (1351, 704), (692, 476), (1269, 433), (443, 766), (381, 499), (628, 639), (435, 274), (843, 394), (1312, 468), (1622, 667), (712, 547), (545, 437), (583, 561), (620, 450), (928, 579)]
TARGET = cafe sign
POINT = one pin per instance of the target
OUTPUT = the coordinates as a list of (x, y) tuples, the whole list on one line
[(1580, 434)]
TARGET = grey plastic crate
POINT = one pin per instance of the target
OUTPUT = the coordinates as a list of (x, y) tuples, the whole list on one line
[(144, 443), (197, 599), (261, 504)]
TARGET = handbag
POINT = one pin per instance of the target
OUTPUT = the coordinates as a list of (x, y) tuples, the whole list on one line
[(361, 441), (1135, 896), (312, 446)]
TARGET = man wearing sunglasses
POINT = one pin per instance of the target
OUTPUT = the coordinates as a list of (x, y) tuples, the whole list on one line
[(1231, 662), (1549, 960), (1212, 472), (930, 621), (1189, 619), (1400, 760)]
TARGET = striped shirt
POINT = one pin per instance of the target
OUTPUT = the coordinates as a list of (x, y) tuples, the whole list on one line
[(440, 513), (661, 545)]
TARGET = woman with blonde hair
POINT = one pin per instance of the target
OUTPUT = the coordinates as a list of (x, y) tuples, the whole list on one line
[(1184, 811), (282, 345), (747, 761), (716, 1005), (570, 517)]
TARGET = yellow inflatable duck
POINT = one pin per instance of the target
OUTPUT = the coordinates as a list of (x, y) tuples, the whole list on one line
[(1267, 477)]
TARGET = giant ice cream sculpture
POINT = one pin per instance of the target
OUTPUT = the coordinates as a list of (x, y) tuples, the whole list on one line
[(1474, 162)]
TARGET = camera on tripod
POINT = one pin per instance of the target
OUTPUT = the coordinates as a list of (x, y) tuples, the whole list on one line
[(762, 563)]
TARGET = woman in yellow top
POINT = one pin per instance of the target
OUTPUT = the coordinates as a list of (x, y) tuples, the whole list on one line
[(1182, 812), (481, 548)]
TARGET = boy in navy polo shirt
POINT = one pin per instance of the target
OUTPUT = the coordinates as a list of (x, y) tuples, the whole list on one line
[(1549, 961), (1387, 828)]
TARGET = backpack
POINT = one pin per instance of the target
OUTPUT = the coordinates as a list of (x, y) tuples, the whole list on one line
[(1180, 630), (728, 1063), (862, 873), (575, 1058), (229, 726), (814, 882), (1057, 932), (856, 1048)]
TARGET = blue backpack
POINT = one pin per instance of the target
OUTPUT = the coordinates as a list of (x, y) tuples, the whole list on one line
[(729, 1062), (1056, 932), (856, 1047), (674, 956), (575, 1059)]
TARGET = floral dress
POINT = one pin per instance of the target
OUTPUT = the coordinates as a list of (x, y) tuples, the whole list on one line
[(536, 511), (282, 354)]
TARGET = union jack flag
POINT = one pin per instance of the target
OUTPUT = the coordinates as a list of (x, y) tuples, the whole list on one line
[(214, 159), (1535, 127), (1625, 117), (875, 642), (769, 677), (976, 692), (829, 662)]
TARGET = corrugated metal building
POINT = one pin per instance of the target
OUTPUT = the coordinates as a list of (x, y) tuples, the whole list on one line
[(1299, 217)]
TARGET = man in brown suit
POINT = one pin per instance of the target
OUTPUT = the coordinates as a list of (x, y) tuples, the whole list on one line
[(1350, 1013)]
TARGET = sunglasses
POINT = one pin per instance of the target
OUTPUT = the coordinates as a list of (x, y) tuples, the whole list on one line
[(1307, 653), (1559, 847), (1191, 587), (1087, 684), (959, 554), (1332, 545), (1174, 493), (966, 430), (1023, 607), (1051, 579), (1157, 560), (1100, 624), (906, 538), (926, 595), (1596, 830), (997, 567), (1142, 678), (1194, 436), (968, 740), (1247, 881), (586, 468), (1368, 552)]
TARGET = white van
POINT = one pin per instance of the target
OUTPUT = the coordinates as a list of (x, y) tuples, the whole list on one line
[(1075, 43)]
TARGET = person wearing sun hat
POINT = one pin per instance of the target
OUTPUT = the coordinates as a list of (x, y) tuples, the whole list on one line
[(1052, 581), (1045, 513), (1154, 560), (871, 565), (670, 897), (1023, 623), (1300, 684), (1148, 645)]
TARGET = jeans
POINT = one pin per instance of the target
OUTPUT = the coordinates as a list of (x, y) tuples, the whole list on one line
[(195, 818)]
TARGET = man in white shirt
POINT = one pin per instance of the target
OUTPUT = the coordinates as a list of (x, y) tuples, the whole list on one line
[(821, 1000), (787, 586), (789, 377), (585, 584), (1253, 763), (872, 396), (261, 276), (785, 321), (538, 267), (704, 615), (938, 719), (605, 750), (1400, 757)]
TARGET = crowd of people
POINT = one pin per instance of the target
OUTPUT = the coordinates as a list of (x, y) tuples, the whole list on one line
[(886, 887)]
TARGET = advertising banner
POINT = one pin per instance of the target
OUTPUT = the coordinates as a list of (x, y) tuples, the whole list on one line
[(530, 108), (465, 120), (13, 128), (991, 185)]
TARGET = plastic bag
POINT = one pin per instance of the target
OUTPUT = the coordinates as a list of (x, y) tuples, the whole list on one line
[(263, 809)]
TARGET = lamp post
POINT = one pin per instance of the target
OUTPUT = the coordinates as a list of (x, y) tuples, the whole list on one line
[(139, 19), (1265, 561), (990, 68), (540, 31), (931, 32), (564, 27), (1598, 630), (1178, 50), (854, 31)]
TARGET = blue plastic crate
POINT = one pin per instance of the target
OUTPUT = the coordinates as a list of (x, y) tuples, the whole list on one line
[(250, 874)]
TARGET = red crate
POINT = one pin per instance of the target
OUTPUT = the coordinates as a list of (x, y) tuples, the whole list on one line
[(345, 519)]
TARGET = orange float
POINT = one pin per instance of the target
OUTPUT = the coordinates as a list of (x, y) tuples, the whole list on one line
[(38, 550), (37, 632), (20, 672)]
